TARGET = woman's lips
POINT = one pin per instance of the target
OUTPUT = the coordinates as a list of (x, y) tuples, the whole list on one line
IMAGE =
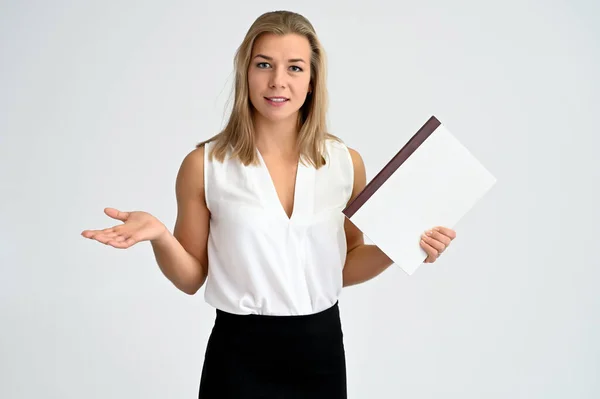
[(277, 101)]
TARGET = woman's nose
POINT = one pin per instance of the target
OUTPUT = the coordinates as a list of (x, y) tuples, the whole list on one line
[(277, 78)]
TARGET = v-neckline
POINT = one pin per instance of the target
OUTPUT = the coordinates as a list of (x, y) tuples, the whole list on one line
[(272, 198)]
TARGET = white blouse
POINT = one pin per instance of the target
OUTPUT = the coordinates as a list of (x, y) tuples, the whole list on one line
[(259, 260)]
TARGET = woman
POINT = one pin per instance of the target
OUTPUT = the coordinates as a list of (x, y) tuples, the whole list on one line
[(259, 222)]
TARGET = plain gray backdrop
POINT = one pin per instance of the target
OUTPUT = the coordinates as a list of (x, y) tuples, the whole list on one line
[(101, 100)]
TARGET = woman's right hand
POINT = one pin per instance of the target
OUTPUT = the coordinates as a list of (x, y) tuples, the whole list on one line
[(137, 226)]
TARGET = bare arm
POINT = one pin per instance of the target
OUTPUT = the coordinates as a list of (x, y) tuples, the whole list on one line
[(182, 256), (363, 262)]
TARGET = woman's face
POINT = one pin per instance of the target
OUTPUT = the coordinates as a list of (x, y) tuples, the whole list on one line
[(279, 75)]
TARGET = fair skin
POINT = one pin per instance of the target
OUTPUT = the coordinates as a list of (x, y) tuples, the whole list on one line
[(280, 67), (182, 255)]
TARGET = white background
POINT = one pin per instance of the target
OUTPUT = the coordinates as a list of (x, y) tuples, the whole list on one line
[(101, 100)]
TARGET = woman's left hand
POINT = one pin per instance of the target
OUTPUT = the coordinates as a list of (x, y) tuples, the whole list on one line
[(435, 241)]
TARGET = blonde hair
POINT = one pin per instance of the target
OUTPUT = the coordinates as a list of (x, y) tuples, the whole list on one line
[(238, 134)]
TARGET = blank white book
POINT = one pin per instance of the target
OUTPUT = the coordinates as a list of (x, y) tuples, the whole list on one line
[(432, 181)]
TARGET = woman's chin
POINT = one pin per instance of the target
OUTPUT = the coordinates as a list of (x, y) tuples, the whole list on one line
[(277, 116)]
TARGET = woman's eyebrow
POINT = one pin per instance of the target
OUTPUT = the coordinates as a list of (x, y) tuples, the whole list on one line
[(271, 58)]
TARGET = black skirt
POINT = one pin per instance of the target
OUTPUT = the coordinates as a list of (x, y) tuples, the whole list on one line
[(290, 357)]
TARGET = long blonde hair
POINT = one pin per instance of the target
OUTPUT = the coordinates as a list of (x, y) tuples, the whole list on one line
[(238, 134)]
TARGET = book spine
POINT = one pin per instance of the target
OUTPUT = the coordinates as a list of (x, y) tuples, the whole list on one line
[(388, 170)]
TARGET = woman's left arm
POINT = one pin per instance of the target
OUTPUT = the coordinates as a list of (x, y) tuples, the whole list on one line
[(365, 261)]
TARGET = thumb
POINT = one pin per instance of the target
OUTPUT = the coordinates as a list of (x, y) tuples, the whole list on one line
[(116, 214)]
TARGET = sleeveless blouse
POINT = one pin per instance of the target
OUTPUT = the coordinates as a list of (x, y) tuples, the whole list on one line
[(260, 261)]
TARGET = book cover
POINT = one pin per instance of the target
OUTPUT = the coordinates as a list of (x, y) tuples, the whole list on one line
[(432, 181)]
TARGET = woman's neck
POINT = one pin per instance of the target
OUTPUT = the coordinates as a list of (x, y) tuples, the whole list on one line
[(276, 138)]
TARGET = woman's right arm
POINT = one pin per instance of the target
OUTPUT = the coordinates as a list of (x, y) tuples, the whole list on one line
[(182, 256)]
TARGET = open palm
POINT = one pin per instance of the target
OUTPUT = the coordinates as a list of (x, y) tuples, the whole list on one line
[(137, 226)]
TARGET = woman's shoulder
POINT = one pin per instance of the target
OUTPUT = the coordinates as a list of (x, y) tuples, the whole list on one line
[(335, 144), (208, 144), (190, 176), (216, 148), (194, 159)]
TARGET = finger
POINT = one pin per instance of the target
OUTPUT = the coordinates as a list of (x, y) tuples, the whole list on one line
[(87, 233), (98, 237), (431, 252), (437, 245), (436, 235), (116, 214), (124, 244), (94, 233), (121, 229), (446, 231), (108, 237), (102, 238)]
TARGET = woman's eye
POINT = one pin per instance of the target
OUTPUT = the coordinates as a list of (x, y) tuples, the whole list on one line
[(263, 65)]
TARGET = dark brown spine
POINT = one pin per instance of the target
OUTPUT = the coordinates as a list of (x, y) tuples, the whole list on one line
[(405, 152)]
